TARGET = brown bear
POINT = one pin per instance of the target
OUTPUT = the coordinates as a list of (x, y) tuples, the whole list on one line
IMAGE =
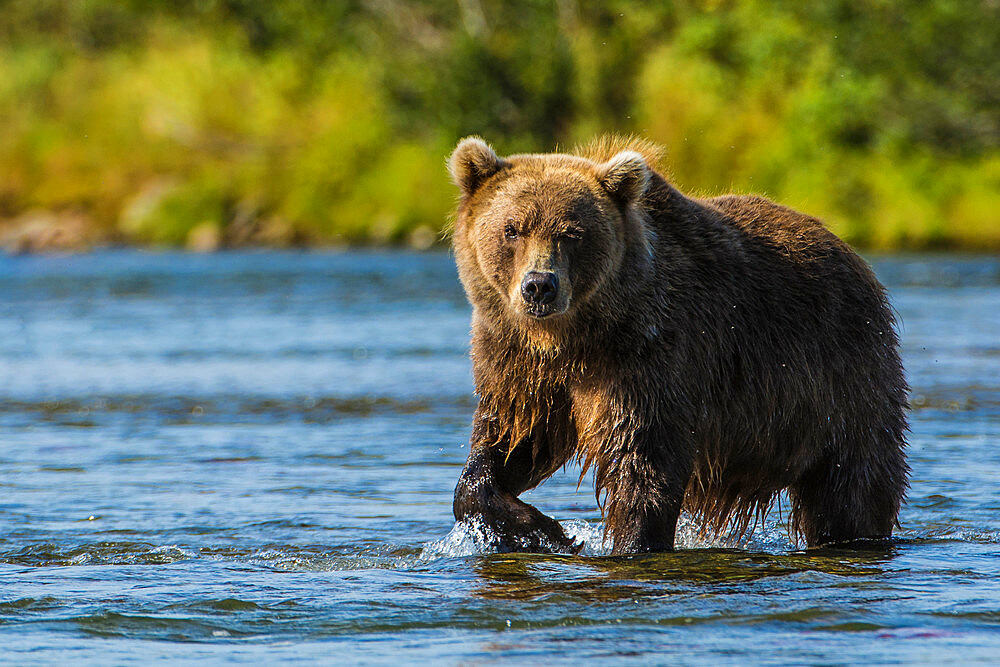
[(698, 354)]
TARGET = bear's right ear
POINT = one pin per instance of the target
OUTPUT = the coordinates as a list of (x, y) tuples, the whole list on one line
[(472, 163), (625, 176)]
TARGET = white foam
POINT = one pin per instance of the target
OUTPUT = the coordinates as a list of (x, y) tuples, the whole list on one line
[(591, 534), (689, 536), (473, 538), (467, 538)]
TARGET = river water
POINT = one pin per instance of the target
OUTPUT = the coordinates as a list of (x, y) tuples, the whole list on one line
[(251, 456)]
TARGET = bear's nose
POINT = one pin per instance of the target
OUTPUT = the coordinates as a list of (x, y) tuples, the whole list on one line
[(539, 288)]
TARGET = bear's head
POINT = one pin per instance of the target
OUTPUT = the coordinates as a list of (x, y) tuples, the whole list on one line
[(540, 237)]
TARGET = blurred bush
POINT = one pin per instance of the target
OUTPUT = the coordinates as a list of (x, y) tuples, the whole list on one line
[(232, 122)]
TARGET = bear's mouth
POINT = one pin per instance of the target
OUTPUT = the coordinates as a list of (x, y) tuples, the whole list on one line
[(540, 312)]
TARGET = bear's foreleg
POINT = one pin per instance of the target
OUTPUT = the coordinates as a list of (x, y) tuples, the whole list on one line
[(489, 487), (644, 480)]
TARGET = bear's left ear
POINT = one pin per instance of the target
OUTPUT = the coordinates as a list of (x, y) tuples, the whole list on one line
[(625, 176), (472, 163)]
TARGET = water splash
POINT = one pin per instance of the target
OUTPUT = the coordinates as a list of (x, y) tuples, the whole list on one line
[(590, 534), (474, 538), (466, 538)]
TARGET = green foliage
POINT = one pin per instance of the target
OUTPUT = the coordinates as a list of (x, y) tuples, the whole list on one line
[(308, 122)]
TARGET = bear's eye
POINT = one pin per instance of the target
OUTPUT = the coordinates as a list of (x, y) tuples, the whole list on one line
[(510, 232), (572, 235)]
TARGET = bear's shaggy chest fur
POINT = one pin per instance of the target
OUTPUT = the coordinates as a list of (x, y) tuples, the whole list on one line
[(695, 354)]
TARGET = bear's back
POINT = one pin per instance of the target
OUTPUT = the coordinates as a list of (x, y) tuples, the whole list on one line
[(778, 226)]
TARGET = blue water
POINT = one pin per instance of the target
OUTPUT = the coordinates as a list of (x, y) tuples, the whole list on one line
[(250, 457)]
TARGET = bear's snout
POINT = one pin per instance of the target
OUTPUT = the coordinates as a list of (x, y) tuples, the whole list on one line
[(539, 289)]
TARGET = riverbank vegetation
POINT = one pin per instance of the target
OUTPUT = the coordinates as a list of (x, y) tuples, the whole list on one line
[(208, 123)]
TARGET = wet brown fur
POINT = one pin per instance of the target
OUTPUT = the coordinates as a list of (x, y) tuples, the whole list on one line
[(712, 352)]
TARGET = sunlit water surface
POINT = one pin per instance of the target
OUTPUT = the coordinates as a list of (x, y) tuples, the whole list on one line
[(251, 457)]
